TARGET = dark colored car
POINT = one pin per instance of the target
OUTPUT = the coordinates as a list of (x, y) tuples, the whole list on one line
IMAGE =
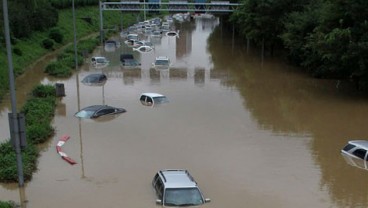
[(96, 111), (95, 79), (128, 60)]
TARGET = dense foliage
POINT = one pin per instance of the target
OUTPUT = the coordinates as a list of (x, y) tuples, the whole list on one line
[(28, 50), (38, 110), (8, 204), (65, 62), (328, 38), (26, 16)]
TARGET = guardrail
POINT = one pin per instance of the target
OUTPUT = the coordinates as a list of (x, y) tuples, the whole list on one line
[(171, 6)]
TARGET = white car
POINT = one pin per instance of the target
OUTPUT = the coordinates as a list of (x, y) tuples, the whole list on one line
[(173, 34), (151, 99), (161, 62), (177, 188), (143, 49), (99, 61), (132, 36), (357, 149)]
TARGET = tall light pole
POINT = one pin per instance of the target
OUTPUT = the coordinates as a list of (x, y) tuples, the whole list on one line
[(75, 38), (144, 9), (14, 119), (101, 25)]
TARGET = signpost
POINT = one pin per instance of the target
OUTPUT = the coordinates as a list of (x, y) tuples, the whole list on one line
[(14, 118)]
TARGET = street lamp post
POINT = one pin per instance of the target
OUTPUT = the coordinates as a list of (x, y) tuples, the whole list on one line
[(14, 119), (144, 9), (75, 38), (101, 25)]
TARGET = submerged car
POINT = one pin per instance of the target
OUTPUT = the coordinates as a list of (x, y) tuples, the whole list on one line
[(99, 61), (132, 36), (150, 99), (128, 60), (161, 62), (96, 111), (111, 45), (95, 79), (357, 149), (177, 188), (130, 63), (143, 49), (173, 34)]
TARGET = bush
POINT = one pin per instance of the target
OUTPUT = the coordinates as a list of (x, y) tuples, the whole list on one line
[(67, 59), (8, 204), (44, 91), (17, 51), (8, 166), (88, 45), (47, 43), (38, 133), (38, 110), (56, 35), (58, 69)]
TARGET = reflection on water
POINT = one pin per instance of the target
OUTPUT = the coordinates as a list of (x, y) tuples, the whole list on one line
[(260, 133)]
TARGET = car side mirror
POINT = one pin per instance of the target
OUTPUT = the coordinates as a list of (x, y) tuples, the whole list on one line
[(158, 201), (207, 200)]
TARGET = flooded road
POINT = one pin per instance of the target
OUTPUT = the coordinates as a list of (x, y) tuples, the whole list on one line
[(252, 134)]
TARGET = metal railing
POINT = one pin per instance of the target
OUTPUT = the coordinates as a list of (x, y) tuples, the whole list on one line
[(171, 6)]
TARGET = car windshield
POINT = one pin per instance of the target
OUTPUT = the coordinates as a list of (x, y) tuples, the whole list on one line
[(130, 62), (161, 62), (182, 197), (160, 100), (90, 79), (101, 60), (85, 113)]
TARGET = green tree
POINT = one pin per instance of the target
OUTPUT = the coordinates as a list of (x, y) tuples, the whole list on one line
[(262, 20), (338, 45), (298, 25)]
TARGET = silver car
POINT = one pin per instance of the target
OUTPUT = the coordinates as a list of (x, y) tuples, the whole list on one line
[(176, 187), (356, 149)]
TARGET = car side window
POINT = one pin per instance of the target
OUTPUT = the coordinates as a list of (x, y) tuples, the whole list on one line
[(105, 111), (149, 100), (159, 188), (143, 98), (349, 147), (360, 153)]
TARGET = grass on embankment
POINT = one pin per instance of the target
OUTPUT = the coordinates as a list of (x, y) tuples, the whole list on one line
[(31, 48), (41, 105)]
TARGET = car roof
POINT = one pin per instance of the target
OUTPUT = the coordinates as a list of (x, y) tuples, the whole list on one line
[(359, 143), (90, 76), (177, 178), (162, 58), (152, 94), (96, 75), (127, 56), (96, 107)]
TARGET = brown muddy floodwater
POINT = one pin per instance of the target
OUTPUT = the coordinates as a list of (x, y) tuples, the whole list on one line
[(252, 134)]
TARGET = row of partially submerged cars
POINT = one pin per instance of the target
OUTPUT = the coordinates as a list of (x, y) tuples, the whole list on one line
[(173, 187), (95, 111), (138, 38)]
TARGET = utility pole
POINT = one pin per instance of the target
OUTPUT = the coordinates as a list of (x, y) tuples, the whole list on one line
[(75, 38), (14, 117), (101, 25)]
